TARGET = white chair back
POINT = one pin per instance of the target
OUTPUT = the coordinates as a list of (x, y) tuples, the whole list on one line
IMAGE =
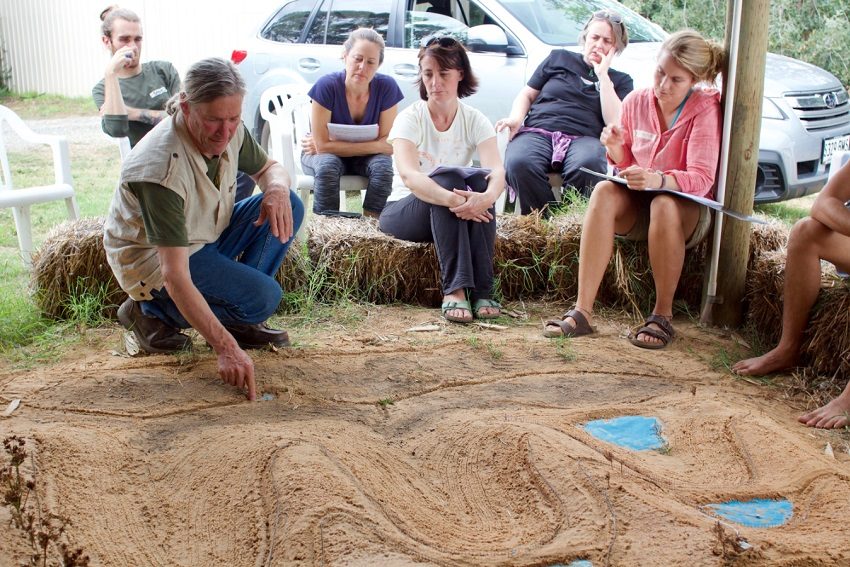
[(20, 199), (286, 109)]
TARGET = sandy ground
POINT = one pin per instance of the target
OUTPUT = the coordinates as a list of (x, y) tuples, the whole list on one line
[(479, 459)]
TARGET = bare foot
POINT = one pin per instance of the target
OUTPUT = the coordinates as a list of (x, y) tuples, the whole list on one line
[(834, 415), (772, 361)]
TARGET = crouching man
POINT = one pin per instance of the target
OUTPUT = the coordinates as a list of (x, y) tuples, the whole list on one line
[(184, 251)]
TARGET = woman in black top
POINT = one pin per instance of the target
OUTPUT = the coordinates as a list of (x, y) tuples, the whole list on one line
[(556, 120)]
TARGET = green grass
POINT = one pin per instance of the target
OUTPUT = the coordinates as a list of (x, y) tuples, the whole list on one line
[(564, 349), (94, 170), (39, 105)]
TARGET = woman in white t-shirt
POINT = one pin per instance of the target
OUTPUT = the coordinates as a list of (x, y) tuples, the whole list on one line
[(454, 210)]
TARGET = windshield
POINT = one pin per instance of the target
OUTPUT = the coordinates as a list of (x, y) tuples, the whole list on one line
[(558, 22)]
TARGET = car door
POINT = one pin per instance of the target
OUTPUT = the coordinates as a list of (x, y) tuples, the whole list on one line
[(500, 76)]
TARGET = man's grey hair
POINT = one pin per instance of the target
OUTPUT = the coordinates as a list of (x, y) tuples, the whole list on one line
[(206, 81)]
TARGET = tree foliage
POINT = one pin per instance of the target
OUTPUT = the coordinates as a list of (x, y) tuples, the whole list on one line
[(816, 31)]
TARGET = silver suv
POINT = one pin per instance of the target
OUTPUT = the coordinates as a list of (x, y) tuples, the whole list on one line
[(806, 110)]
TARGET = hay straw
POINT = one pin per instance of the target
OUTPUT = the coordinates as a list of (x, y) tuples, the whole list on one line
[(359, 260), (72, 262)]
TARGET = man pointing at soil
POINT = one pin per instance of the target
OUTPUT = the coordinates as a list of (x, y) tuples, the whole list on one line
[(174, 229)]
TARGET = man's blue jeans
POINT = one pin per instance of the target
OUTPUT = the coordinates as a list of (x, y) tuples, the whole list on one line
[(236, 273)]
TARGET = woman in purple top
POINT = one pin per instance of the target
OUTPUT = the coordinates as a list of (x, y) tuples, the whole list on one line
[(359, 95)]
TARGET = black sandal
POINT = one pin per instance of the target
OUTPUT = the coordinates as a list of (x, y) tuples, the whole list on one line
[(665, 333)]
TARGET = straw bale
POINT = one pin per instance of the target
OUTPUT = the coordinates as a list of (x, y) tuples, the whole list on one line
[(354, 258), (767, 238), (522, 256), (826, 341), (70, 263), (764, 291), (294, 271)]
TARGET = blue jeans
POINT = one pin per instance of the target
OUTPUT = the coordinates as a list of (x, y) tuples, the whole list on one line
[(236, 273), (326, 170)]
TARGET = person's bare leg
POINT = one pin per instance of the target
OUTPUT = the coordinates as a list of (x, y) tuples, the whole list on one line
[(671, 222), (834, 415), (808, 242), (612, 210)]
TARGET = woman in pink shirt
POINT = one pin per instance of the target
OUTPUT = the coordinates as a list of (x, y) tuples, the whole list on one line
[(668, 138)]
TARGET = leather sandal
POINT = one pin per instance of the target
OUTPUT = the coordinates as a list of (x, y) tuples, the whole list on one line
[(665, 333), (451, 306), (580, 329), (484, 304)]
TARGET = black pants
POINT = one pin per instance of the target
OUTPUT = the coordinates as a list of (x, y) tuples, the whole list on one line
[(528, 160), (465, 249)]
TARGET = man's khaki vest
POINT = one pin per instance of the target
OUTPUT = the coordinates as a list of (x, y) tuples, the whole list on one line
[(167, 156)]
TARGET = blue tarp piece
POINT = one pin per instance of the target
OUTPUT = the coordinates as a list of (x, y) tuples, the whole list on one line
[(758, 513), (634, 432), (576, 563), (267, 397)]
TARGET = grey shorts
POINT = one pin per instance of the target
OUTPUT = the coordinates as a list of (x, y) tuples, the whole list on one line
[(640, 230)]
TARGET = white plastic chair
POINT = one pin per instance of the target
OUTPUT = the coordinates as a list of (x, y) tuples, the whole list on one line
[(124, 147), (286, 108), (20, 199)]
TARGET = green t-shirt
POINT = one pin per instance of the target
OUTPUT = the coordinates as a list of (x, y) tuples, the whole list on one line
[(162, 208), (151, 88)]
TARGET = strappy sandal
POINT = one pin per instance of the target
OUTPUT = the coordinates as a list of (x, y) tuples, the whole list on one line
[(451, 306), (580, 329), (665, 333), (484, 304)]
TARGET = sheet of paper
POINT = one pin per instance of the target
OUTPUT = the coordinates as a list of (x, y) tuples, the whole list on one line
[(701, 200), (353, 132)]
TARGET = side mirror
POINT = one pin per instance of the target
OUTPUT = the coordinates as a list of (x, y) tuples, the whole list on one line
[(486, 38)]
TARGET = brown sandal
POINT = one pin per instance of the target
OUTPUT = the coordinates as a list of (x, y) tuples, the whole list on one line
[(665, 334), (580, 329)]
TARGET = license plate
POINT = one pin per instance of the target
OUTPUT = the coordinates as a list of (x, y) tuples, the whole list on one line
[(832, 145)]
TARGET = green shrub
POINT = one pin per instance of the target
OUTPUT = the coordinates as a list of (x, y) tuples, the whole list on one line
[(814, 31)]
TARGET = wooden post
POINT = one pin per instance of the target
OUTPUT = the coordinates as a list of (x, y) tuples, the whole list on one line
[(726, 308)]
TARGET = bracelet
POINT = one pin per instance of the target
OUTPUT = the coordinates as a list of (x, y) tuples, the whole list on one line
[(663, 180)]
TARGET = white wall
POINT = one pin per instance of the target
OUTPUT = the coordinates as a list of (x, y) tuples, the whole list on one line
[(53, 46)]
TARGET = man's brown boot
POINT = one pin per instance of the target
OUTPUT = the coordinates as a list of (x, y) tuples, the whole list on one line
[(151, 333), (258, 335)]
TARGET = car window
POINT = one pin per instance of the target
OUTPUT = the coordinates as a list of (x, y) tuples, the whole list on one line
[(430, 17), (286, 26), (559, 22), (316, 33), (345, 16), (352, 14)]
